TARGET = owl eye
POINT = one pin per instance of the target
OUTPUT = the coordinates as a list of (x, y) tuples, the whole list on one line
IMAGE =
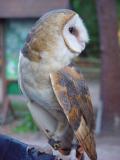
[(71, 30)]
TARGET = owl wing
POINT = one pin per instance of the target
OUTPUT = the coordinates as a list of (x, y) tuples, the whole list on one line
[(73, 96)]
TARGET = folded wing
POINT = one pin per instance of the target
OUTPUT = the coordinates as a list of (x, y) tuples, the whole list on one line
[(72, 94)]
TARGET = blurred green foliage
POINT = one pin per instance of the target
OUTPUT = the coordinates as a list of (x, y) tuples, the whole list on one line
[(87, 10), (26, 124)]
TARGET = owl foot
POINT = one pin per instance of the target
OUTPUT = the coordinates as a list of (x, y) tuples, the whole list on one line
[(80, 153), (45, 149)]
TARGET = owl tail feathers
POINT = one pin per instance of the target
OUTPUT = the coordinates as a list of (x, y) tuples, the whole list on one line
[(86, 139)]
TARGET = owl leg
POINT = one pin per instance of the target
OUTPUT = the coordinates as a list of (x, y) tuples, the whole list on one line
[(60, 129), (77, 151), (80, 153), (55, 141), (74, 149), (62, 123)]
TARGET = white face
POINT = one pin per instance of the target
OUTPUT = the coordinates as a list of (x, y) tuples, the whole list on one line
[(75, 35)]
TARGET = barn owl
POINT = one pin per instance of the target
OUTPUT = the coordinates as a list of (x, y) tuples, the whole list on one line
[(57, 95)]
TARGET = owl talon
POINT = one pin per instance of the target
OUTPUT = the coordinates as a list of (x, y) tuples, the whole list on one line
[(55, 144), (80, 152)]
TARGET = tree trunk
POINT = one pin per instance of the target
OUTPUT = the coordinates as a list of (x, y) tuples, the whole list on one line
[(110, 55)]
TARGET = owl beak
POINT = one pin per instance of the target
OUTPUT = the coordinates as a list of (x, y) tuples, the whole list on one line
[(82, 45)]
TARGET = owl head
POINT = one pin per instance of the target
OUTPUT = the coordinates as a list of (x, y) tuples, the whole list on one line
[(58, 35)]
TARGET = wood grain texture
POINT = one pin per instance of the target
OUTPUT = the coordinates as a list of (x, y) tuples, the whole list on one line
[(28, 8), (73, 95)]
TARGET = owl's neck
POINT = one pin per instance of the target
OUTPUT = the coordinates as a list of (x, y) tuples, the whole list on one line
[(56, 60)]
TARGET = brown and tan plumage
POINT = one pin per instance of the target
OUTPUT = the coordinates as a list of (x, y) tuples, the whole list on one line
[(61, 107), (73, 96)]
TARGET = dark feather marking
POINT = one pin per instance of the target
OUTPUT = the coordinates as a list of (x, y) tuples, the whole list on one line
[(65, 101), (77, 94), (64, 80)]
